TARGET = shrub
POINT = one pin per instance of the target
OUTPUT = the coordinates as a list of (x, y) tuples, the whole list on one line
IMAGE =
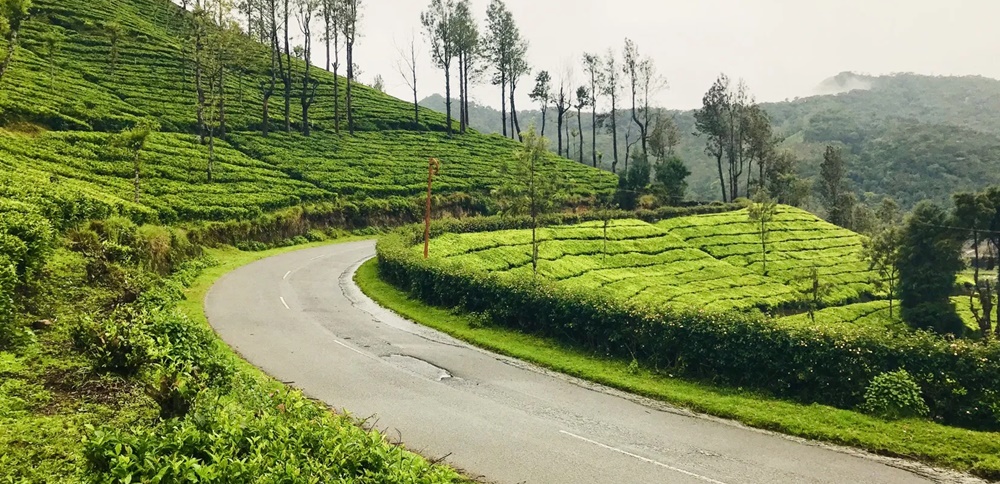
[(894, 395), (115, 344), (8, 312), (174, 389)]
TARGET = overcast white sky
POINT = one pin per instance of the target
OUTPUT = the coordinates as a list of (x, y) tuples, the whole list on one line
[(783, 48)]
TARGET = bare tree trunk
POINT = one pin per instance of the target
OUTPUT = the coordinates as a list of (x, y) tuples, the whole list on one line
[(593, 134), (211, 154), (336, 84), (503, 102), (579, 127), (569, 142), (11, 46), (416, 103), (447, 94), (135, 182), (461, 93), (614, 133), (515, 125), (544, 109), (287, 75), (559, 130), (466, 81), (222, 101), (350, 82), (722, 179), (265, 115)]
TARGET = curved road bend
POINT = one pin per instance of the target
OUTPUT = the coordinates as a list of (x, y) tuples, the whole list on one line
[(299, 317)]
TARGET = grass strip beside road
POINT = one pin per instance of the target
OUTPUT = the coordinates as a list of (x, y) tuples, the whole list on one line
[(964, 450)]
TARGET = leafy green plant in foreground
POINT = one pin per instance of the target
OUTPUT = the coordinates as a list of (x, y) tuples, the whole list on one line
[(894, 395)]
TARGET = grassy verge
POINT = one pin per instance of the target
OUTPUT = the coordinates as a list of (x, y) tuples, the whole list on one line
[(960, 449), (63, 418)]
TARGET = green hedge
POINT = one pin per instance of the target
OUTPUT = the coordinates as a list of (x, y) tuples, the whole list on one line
[(960, 380)]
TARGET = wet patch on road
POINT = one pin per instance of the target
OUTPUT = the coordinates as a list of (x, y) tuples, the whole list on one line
[(420, 367)]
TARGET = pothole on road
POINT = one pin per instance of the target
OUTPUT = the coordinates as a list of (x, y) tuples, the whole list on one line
[(419, 367)]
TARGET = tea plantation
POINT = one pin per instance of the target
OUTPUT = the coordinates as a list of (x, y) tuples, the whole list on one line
[(62, 100), (798, 242), (102, 378), (707, 261), (638, 262)]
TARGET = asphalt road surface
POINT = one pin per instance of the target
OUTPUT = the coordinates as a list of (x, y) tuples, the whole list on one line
[(300, 318)]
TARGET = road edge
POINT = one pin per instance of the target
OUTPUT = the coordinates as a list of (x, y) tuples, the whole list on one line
[(384, 295)]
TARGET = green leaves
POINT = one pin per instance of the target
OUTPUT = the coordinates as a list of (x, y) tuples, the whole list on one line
[(894, 395)]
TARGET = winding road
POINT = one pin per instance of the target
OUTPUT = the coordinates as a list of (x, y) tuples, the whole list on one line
[(300, 318)]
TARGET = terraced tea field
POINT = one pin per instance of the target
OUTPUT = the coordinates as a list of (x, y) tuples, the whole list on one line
[(153, 77), (798, 242), (394, 163), (61, 105), (708, 262), (638, 262), (867, 313)]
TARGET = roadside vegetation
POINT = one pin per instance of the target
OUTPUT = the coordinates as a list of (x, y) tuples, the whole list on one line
[(148, 146), (914, 438)]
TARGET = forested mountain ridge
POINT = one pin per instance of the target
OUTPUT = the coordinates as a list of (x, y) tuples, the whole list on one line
[(908, 136)]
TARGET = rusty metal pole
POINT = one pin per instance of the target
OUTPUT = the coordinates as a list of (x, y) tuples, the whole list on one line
[(432, 169)]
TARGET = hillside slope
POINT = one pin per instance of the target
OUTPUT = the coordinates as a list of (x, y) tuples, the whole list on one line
[(60, 105)]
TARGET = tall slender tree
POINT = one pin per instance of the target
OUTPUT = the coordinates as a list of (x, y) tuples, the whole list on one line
[(199, 30), (518, 68), (286, 64), (497, 45), (466, 34), (594, 68), (438, 22), (13, 13), (507, 52), (610, 88), (128, 145), (531, 186), (711, 122), (333, 17), (643, 81), (563, 102), (542, 94), (270, 26), (223, 44), (833, 187), (406, 65), (307, 10), (349, 29), (582, 101), (115, 33)]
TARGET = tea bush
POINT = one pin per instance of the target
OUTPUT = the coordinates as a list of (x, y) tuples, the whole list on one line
[(894, 395)]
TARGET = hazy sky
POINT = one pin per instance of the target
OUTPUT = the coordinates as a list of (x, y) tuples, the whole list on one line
[(782, 48)]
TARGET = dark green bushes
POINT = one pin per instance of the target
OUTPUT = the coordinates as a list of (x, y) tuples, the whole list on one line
[(218, 422), (830, 365), (255, 434)]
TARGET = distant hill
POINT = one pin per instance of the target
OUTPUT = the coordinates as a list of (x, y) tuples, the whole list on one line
[(907, 136)]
